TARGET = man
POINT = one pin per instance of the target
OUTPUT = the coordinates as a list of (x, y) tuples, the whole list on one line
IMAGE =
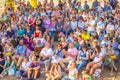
[(115, 45), (20, 51), (95, 4), (33, 69), (70, 54), (81, 24), (45, 56), (85, 35), (23, 68)]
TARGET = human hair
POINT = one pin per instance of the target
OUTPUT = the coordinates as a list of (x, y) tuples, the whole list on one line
[(98, 49), (1, 55), (10, 59)]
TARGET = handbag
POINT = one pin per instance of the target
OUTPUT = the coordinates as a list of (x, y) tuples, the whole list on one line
[(11, 72)]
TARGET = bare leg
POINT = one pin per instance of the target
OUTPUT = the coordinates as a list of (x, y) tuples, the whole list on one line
[(4, 74), (19, 61), (93, 68), (89, 65), (36, 74), (29, 73)]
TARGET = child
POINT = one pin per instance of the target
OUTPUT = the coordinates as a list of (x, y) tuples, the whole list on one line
[(85, 76)]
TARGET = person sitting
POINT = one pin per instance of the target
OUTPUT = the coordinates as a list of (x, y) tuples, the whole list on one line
[(2, 62), (58, 53), (72, 72), (55, 72), (20, 51), (82, 58), (110, 57), (33, 69), (70, 55), (97, 57), (9, 67), (23, 67), (45, 56)]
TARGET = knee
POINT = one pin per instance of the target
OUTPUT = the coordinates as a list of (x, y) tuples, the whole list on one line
[(93, 67)]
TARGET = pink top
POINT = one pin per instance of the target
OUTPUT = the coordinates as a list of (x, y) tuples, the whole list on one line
[(72, 53), (46, 23), (31, 21)]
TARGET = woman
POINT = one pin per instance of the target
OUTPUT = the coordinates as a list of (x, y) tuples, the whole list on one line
[(73, 73), (20, 31), (55, 72), (58, 53), (37, 32), (82, 58), (66, 26), (2, 62), (28, 32), (63, 42), (9, 65), (97, 57), (8, 49), (100, 26), (81, 42), (31, 20), (110, 27), (52, 26), (49, 40)]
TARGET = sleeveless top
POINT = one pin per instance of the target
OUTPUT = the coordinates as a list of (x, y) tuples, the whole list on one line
[(37, 34)]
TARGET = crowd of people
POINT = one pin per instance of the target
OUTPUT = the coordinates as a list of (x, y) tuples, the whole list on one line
[(52, 39)]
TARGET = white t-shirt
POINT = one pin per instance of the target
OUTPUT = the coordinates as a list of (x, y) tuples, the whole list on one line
[(110, 27), (97, 57), (46, 52), (81, 24), (91, 28), (25, 65), (73, 25)]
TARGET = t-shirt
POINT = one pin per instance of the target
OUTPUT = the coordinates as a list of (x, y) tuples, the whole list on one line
[(91, 28), (25, 65), (86, 36), (97, 57), (73, 25), (81, 25), (46, 51), (34, 65), (39, 42), (73, 51), (110, 27)]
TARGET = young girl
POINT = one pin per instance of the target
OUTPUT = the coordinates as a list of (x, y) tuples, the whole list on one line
[(55, 72), (9, 64), (73, 72)]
